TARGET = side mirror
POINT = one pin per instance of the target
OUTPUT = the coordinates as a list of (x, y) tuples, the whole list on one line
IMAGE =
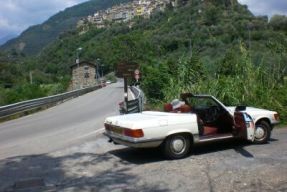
[(240, 108)]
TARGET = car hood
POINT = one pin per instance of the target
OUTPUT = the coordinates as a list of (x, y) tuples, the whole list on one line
[(253, 111)]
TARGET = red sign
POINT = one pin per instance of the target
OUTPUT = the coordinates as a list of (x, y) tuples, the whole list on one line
[(137, 77), (137, 72)]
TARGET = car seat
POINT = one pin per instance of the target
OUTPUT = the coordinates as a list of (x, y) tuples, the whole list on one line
[(167, 107), (207, 130), (185, 108)]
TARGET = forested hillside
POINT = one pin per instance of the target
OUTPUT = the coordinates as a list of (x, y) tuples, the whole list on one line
[(35, 38), (213, 47)]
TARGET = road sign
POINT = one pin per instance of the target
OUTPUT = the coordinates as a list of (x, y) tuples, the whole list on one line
[(137, 72), (125, 69)]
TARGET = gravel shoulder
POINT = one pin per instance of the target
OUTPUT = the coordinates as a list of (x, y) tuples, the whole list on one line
[(101, 166)]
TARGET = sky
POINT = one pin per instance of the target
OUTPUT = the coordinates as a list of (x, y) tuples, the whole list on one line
[(266, 7), (18, 15)]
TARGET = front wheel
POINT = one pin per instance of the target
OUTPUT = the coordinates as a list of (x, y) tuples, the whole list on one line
[(262, 132), (176, 146)]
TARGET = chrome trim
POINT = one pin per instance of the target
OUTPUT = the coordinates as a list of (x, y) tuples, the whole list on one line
[(195, 138), (131, 142), (215, 138)]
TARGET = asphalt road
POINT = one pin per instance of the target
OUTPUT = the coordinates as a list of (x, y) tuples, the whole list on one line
[(101, 166), (61, 149), (67, 124)]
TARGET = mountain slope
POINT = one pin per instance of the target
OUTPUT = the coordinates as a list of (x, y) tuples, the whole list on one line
[(210, 28), (35, 38), (232, 51), (4, 39)]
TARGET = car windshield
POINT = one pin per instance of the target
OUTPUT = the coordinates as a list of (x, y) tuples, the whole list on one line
[(198, 102)]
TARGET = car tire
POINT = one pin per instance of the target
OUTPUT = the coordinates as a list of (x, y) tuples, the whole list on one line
[(176, 146), (262, 132)]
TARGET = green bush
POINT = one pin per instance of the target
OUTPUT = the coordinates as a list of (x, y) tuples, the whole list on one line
[(111, 77), (155, 79), (237, 82), (23, 93)]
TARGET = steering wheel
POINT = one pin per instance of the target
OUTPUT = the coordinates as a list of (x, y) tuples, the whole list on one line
[(213, 113)]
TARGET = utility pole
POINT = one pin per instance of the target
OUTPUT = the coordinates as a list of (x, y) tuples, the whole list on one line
[(190, 47), (249, 37), (102, 67), (190, 41), (78, 64), (31, 77), (97, 69), (78, 56)]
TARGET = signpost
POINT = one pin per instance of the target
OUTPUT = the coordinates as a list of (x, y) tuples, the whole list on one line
[(127, 70)]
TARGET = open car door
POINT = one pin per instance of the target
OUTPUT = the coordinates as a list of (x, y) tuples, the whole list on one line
[(244, 125)]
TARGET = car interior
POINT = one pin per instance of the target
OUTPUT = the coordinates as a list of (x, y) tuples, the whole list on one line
[(213, 119)]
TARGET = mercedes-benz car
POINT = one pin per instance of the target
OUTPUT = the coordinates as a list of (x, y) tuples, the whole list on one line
[(175, 132)]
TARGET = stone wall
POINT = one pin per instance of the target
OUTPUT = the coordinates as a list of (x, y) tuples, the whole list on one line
[(83, 75)]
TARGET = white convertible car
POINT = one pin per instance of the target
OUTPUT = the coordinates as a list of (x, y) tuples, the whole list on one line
[(208, 120)]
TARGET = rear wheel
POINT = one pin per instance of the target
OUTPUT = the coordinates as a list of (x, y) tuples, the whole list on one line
[(176, 146), (262, 132)]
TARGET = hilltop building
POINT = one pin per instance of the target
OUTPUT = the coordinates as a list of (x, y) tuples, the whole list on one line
[(126, 12)]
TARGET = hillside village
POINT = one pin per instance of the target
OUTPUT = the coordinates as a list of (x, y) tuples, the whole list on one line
[(126, 12)]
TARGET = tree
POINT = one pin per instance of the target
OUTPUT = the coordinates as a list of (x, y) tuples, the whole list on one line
[(278, 22)]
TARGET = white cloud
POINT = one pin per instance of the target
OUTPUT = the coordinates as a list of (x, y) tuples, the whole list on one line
[(266, 7), (18, 15)]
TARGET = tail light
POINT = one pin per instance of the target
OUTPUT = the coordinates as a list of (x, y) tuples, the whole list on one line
[(276, 116), (136, 133)]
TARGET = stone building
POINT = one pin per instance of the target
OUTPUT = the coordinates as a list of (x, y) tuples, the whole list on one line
[(83, 75)]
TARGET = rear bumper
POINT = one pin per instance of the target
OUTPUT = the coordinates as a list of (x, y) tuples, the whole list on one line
[(136, 143)]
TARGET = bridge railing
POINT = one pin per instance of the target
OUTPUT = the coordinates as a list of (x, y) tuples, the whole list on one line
[(15, 108)]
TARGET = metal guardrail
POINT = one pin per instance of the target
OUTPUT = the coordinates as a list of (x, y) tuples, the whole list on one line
[(136, 105), (12, 109), (133, 106)]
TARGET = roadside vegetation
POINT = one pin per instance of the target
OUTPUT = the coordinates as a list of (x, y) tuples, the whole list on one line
[(211, 47)]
